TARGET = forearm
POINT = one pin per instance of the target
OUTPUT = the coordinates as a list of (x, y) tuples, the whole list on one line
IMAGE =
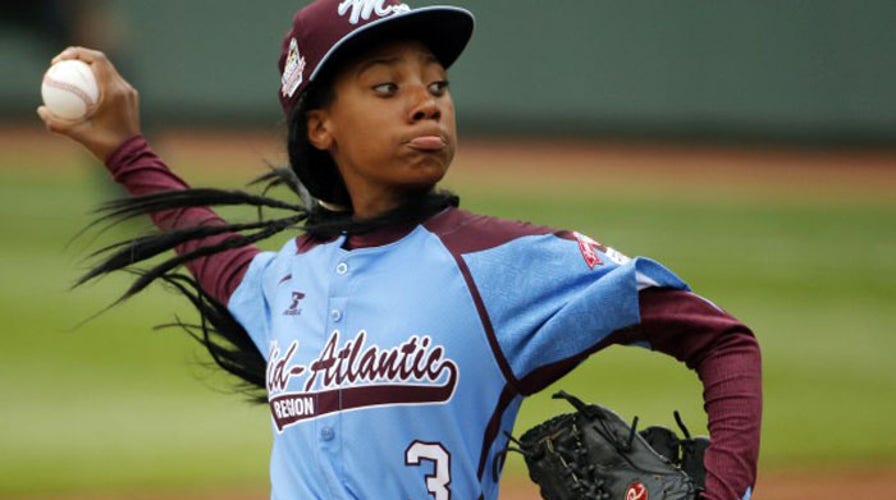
[(732, 398), (136, 167), (726, 357)]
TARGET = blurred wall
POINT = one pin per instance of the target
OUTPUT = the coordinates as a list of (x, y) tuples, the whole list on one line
[(816, 71)]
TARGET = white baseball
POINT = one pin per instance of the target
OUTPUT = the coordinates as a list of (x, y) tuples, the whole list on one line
[(69, 89)]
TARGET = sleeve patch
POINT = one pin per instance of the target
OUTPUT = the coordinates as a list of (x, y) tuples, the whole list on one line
[(591, 251)]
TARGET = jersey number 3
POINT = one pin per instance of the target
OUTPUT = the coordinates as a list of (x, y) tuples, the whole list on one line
[(437, 482)]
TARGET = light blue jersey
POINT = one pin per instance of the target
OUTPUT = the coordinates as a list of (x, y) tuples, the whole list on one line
[(395, 369)]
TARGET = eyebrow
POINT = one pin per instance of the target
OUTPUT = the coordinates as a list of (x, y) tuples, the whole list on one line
[(390, 61), (386, 61)]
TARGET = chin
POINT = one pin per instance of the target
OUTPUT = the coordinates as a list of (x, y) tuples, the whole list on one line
[(428, 172), (421, 185)]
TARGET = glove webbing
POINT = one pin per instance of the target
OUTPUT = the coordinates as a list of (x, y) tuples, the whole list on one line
[(570, 452)]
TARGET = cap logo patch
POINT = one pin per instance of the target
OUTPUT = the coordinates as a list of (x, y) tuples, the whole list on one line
[(359, 10), (293, 70)]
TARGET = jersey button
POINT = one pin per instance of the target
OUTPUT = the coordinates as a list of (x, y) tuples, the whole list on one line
[(327, 433), (336, 315), (342, 268)]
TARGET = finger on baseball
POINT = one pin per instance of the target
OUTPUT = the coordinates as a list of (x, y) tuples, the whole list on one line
[(68, 53), (108, 78), (81, 53), (94, 58), (45, 115), (53, 123), (100, 64)]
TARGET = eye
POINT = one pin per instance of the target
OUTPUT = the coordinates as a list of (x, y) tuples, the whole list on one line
[(385, 89), (438, 88)]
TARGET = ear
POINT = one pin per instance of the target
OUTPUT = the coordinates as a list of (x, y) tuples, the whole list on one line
[(319, 134)]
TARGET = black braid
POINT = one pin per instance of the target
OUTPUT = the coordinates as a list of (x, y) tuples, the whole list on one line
[(145, 247), (225, 339)]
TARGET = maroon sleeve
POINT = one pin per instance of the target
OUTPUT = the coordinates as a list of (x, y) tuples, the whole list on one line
[(141, 171), (726, 356)]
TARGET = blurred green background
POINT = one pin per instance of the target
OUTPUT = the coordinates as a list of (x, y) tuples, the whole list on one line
[(796, 71), (798, 240)]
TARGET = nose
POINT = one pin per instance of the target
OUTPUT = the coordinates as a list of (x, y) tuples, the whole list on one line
[(424, 106)]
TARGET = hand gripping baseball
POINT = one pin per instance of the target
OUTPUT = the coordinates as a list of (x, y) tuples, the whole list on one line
[(116, 117)]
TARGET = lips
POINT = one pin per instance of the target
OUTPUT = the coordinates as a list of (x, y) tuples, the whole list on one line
[(428, 143)]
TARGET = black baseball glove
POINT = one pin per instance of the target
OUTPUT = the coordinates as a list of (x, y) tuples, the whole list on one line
[(594, 454)]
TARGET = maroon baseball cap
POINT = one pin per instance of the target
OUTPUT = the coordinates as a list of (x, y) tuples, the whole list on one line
[(326, 29)]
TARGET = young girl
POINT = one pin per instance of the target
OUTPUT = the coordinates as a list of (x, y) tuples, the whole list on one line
[(396, 336)]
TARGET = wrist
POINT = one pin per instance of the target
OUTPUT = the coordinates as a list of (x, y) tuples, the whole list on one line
[(105, 147), (115, 155)]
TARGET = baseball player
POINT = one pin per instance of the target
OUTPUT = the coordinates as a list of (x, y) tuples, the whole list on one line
[(396, 335)]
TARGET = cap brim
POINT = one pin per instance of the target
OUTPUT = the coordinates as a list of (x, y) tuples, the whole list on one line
[(446, 30)]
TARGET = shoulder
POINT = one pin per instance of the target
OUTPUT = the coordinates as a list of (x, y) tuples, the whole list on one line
[(463, 231)]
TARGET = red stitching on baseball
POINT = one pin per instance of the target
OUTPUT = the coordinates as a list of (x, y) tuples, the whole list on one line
[(88, 101)]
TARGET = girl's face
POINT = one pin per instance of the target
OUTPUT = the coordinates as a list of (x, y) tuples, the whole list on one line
[(391, 128)]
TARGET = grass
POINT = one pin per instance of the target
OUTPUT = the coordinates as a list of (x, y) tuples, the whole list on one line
[(109, 405), (113, 406)]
